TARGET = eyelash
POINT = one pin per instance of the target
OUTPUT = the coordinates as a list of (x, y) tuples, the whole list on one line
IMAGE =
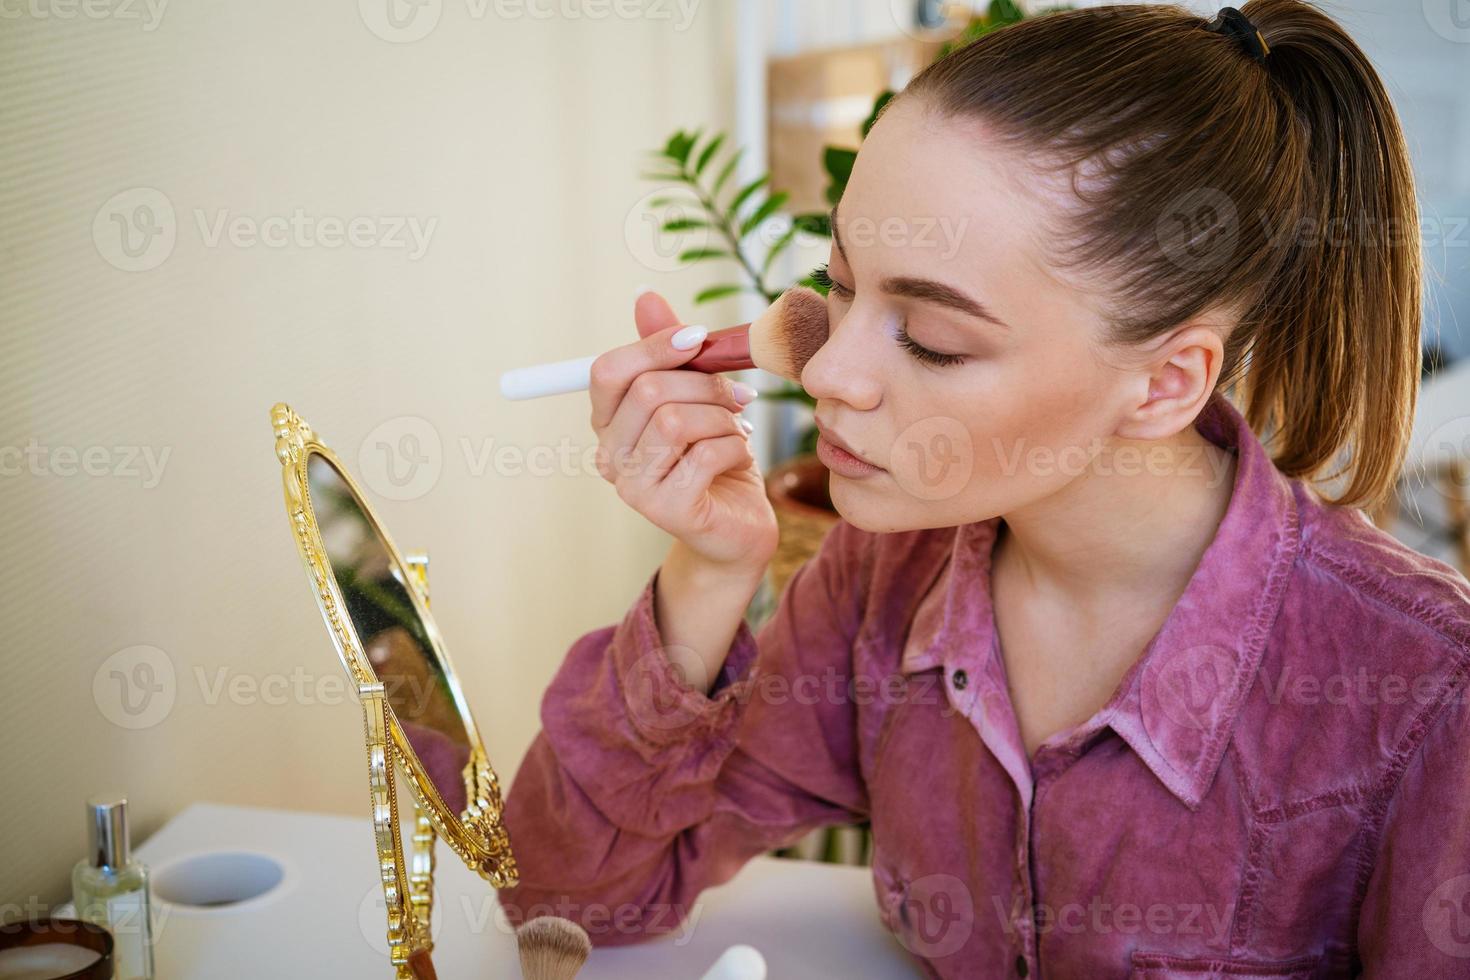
[(823, 279)]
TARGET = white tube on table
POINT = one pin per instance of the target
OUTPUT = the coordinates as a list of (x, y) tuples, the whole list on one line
[(740, 962)]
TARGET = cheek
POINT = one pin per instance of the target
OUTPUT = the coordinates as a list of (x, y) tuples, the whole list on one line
[(1042, 435), (977, 444), (996, 433)]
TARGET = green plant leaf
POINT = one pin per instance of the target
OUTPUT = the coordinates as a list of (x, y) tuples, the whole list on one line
[(725, 173), (684, 224), (814, 223), (1002, 12), (696, 254), (791, 393), (838, 161), (679, 145), (718, 292), (662, 178), (883, 99), (763, 212), (746, 191), (709, 151), (778, 248)]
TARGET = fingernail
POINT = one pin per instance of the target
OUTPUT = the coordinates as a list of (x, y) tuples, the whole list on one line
[(744, 393), (690, 337), (638, 293), (745, 424)]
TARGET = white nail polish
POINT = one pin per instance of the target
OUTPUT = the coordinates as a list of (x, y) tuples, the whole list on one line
[(745, 424), (690, 337)]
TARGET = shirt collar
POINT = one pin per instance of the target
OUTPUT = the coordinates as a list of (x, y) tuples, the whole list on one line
[(1177, 705)]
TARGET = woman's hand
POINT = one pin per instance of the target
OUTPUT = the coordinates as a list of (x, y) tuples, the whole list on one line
[(672, 443)]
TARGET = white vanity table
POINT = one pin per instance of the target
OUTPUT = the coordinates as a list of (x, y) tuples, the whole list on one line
[(324, 919)]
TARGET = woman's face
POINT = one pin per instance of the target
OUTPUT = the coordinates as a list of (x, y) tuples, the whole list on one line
[(933, 252)]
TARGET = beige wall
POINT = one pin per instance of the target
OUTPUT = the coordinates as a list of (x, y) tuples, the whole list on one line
[(520, 139)]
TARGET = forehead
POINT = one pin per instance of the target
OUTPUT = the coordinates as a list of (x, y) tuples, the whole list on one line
[(930, 192)]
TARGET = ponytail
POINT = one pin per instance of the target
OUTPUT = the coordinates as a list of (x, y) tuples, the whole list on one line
[(1335, 364)]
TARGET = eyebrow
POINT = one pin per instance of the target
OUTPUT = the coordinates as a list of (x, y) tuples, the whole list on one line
[(926, 290)]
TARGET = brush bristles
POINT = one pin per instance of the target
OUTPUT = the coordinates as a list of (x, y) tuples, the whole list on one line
[(552, 948), (789, 332)]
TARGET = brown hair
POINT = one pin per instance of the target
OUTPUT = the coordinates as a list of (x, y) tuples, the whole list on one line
[(1208, 180)]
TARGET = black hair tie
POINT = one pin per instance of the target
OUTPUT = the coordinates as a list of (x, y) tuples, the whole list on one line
[(1234, 24)]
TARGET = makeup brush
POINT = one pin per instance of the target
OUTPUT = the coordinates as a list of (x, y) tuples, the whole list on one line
[(781, 340), (552, 948)]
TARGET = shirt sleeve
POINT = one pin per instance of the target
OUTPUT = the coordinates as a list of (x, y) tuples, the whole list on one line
[(1415, 919), (639, 791)]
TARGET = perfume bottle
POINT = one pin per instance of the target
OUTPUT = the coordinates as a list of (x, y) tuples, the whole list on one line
[(110, 889)]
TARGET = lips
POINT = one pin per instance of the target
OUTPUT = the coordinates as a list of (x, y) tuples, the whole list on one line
[(840, 456), (841, 443)]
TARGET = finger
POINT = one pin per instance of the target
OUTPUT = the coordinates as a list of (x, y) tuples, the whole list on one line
[(652, 313), (654, 388), (674, 428), (613, 372), (691, 477)]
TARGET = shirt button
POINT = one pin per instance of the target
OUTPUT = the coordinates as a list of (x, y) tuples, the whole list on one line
[(1021, 968), (960, 679)]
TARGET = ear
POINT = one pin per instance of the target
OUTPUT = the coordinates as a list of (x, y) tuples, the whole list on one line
[(1173, 383)]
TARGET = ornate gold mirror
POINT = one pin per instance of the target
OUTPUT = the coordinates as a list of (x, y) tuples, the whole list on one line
[(375, 603)]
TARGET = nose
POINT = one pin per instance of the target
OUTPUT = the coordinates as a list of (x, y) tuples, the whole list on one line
[(846, 367)]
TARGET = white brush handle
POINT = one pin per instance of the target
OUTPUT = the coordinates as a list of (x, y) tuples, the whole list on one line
[(548, 379), (739, 962)]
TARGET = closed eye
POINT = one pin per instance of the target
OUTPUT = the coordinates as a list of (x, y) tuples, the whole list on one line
[(822, 280), (925, 354)]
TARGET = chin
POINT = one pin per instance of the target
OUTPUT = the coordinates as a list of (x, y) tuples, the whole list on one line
[(871, 510), (884, 508)]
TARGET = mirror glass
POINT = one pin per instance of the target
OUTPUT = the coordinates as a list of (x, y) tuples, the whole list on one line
[(395, 640)]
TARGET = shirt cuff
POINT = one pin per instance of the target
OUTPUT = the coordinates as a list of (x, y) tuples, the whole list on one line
[(662, 707)]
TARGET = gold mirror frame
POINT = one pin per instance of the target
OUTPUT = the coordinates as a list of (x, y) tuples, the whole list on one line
[(478, 836)]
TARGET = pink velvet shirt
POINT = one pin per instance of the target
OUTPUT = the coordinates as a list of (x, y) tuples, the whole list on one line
[(1279, 786)]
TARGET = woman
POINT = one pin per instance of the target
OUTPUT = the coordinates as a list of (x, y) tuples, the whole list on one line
[(1122, 692)]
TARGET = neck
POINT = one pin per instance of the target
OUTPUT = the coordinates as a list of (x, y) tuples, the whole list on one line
[(1136, 522)]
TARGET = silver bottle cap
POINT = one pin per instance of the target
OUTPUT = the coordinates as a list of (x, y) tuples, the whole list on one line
[(107, 831)]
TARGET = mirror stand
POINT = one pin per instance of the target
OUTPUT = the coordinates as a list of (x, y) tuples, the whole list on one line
[(416, 721), (410, 922)]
